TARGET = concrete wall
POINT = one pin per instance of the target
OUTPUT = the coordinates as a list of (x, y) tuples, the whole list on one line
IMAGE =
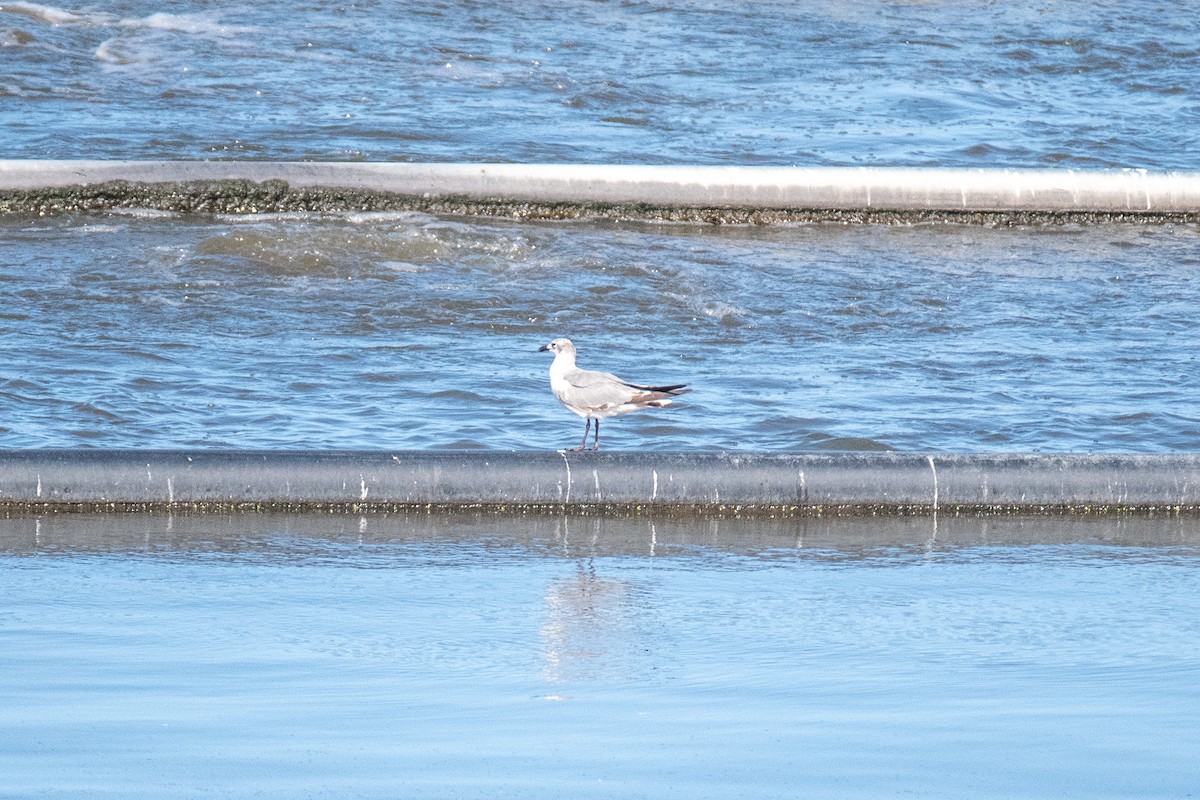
[(883, 483), (879, 188)]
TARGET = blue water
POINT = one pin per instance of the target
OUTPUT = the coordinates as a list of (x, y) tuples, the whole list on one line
[(409, 331), (433, 657), (1076, 83), (428, 657), (140, 329)]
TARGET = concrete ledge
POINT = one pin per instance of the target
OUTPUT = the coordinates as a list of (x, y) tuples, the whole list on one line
[(719, 483), (24, 184), (555, 536)]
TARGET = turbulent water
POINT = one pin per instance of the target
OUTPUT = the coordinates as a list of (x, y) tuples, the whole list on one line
[(409, 331), (939, 83)]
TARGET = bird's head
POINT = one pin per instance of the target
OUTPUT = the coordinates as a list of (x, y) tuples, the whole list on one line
[(558, 346)]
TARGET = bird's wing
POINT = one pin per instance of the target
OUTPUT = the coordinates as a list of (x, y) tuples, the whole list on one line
[(595, 390)]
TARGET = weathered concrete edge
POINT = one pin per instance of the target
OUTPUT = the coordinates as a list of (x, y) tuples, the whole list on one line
[(644, 482), (833, 189)]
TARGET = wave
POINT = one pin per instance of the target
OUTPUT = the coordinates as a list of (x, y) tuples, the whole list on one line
[(206, 23), (52, 15), (198, 24), (134, 40)]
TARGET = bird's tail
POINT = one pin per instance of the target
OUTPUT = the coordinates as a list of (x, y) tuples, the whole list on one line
[(671, 391), (657, 396)]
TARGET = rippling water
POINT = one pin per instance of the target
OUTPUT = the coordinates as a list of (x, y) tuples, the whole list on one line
[(1075, 83), (480, 657), (410, 331), (325, 656)]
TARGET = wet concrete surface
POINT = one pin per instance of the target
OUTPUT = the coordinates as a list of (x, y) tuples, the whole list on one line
[(269, 197)]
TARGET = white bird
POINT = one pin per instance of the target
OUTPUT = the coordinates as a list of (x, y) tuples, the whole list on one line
[(599, 395)]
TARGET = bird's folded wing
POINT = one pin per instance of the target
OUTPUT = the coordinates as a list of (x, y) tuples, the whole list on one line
[(588, 389)]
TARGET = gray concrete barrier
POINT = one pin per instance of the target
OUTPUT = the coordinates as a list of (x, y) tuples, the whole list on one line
[(33, 185), (799, 484)]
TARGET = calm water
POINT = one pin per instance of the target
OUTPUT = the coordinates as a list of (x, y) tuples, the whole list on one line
[(941, 83), (407, 331), (487, 657)]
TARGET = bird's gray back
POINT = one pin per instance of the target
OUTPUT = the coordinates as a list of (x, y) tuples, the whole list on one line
[(590, 389)]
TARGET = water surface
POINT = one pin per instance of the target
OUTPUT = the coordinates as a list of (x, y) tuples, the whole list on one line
[(1074, 83), (390, 657), (408, 331), (317, 656), (416, 332)]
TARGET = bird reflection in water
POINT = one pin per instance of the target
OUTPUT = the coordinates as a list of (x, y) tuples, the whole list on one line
[(592, 628)]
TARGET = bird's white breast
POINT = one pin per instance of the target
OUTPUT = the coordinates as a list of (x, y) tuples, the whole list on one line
[(562, 364)]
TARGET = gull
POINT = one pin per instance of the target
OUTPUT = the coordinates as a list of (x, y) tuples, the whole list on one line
[(599, 395)]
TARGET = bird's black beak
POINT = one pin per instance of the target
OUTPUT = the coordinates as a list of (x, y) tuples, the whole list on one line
[(543, 348)]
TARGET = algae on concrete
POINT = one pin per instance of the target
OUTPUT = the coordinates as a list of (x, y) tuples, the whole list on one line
[(275, 196)]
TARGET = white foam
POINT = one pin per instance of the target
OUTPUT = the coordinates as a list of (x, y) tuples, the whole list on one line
[(54, 16), (143, 213), (147, 40), (722, 310), (254, 218), (201, 24), (402, 266), (370, 217), (160, 300), (113, 51)]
